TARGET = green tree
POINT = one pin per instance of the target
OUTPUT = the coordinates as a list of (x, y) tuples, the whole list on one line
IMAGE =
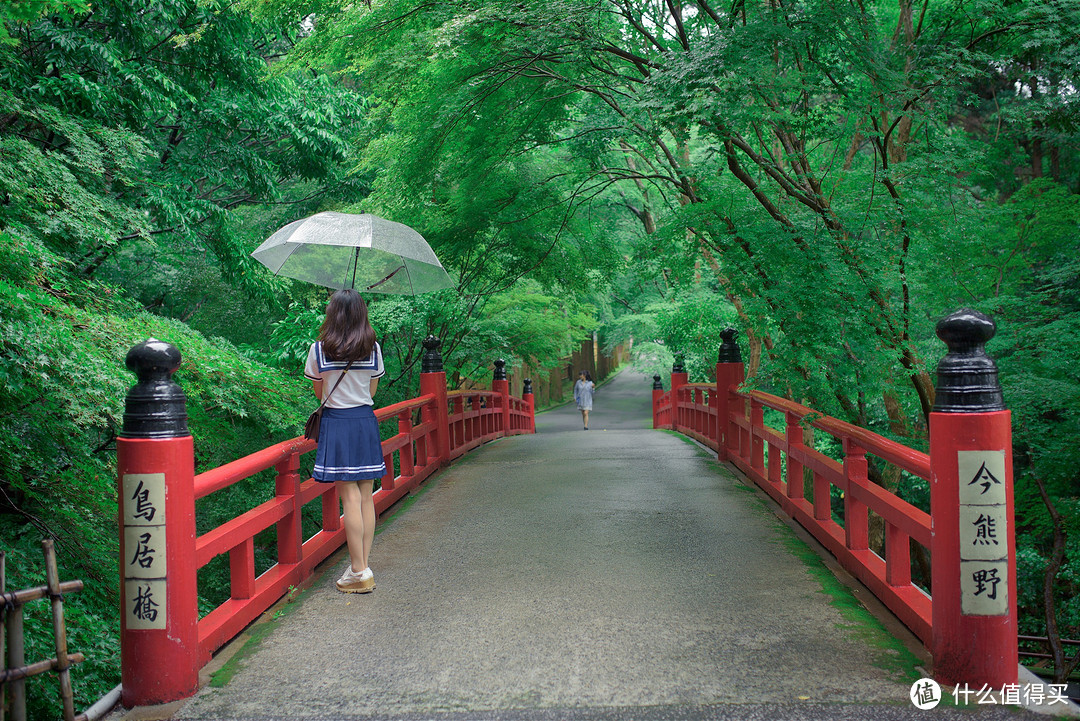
[(134, 133), (1030, 282), (143, 149), (835, 168)]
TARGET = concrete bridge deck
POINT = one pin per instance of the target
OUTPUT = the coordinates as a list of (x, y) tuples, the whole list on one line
[(618, 573)]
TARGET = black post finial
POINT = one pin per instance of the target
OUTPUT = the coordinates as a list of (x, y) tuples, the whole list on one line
[(526, 387), (432, 360), (155, 406), (967, 376), (678, 366), (500, 370), (729, 349), (656, 384)]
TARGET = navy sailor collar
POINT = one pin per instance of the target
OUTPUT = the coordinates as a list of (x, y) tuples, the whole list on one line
[(325, 364)]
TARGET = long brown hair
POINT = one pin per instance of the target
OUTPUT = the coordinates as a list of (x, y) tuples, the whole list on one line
[(346, 334)]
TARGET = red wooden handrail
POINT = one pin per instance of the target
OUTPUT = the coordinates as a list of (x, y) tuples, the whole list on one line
[(161, 553), (775, 460), (414, 448), (970, 624), (898, 454), (224, 476), (466, 392), (388, 412)]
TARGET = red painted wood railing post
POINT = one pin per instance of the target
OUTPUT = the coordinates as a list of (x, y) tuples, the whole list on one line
[(657, 391), (530, 400), (822, 498), (501, 385), (242, 570), (155, 458), (971, 500), (474, 425), (795, 439), (461, 426), (757, 443), (697, 411), (856, 520), (679, 378), (708, 420), (388, 482), (425, 444), (729, 376), (405, 455), (433, 381), (290, 539), (331, 510), (897, 556)]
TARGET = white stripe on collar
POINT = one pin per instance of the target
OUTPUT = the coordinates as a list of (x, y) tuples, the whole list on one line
[(325, 364)]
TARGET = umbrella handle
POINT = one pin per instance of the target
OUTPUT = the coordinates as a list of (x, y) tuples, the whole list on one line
[(376, 285)]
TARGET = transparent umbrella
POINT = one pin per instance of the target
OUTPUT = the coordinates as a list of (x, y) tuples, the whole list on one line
[(361, 251)]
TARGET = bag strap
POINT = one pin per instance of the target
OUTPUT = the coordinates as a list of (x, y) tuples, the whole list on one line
[(340, 378)]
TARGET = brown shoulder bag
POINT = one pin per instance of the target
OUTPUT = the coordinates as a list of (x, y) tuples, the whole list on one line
[(311, 428)]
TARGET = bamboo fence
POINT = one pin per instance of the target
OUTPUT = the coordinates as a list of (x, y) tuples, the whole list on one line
[(16, 670)]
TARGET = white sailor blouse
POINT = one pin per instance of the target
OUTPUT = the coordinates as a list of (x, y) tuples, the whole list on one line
[(355, 388)]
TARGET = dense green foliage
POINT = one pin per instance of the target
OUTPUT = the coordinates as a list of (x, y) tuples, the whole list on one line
[(828, 177), (62, 385), (145, 150), (833, 176), (134, 139)]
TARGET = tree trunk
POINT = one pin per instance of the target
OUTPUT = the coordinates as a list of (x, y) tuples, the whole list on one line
[(1063, 666)]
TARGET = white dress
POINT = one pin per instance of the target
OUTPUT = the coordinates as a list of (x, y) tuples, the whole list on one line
[(583, 392)]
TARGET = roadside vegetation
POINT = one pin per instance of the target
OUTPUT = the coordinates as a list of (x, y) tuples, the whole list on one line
[(828, 177)]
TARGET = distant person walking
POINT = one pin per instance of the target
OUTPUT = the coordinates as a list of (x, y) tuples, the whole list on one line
[(583, 393), (345, 365)]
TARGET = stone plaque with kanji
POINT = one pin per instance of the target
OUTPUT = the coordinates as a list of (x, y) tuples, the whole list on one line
[(143, 499), (144, 604), (984, 533), (984, 588), (982, 477), (144, 552)]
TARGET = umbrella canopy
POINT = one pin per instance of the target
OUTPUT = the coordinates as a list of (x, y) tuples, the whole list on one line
[(361, 251)]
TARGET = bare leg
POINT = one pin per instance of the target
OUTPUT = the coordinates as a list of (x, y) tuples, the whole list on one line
[(367, 504), (359, 508), (585, 417)]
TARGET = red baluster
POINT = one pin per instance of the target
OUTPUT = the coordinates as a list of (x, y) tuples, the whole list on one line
[(856, 523)]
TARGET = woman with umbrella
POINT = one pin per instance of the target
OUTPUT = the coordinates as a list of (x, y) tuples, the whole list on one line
[(345, 365), (380, 256)]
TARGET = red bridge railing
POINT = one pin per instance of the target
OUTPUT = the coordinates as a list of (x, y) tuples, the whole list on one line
[(480, 416), (969, 623), (163, 642), (778, 461)]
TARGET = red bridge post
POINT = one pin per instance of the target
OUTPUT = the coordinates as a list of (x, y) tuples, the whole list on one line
[(527, 396), (159, 639), (657, 391), (973, 541), (729, 376), (679, 378), (433, 381), (501, 385)]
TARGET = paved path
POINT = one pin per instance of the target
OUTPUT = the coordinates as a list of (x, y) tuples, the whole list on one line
[(618, 573)]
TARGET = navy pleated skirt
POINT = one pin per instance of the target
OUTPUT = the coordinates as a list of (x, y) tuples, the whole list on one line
[(349, 446)]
